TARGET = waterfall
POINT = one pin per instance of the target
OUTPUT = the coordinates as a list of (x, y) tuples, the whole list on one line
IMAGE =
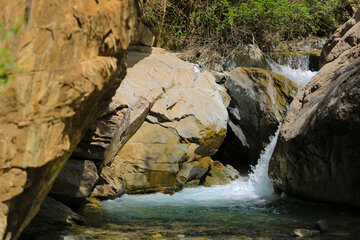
[(256, 186)]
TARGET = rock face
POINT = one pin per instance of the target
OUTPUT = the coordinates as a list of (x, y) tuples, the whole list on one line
[(317, 155), (344, 38), (75, 182), (259, 100), (185, 121), (73, 58)]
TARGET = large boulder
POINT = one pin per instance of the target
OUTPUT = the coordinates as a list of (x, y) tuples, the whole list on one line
[(72, 55), (259, 101), (344, 38), (186, 121), (317, 155)]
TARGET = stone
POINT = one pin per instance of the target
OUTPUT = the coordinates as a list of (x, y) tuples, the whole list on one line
[(316, 156), (249, 55), (72, 55), (75, 182), (259, 101), (220, 174), (53, 216), (322, 226), (143, 36), (185, 121), (305, 233), (344, 38), (314, 60)]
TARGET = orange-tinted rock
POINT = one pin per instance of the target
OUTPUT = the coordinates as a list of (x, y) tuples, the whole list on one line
[(73, 58)]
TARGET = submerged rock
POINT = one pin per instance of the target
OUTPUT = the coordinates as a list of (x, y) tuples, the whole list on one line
[(259, 101), (72, 55), (322, 226), (317, 154)]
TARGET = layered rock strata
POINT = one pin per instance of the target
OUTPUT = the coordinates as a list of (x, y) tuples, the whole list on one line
[(72, 55)]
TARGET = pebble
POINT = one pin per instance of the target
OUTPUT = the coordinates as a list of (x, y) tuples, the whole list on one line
[(305, 232), (322, 225)]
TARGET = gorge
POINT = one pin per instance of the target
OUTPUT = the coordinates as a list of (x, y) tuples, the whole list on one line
[(172, 149)]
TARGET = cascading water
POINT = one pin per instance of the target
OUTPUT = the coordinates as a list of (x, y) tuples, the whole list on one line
[(257, 186), (243, 209)]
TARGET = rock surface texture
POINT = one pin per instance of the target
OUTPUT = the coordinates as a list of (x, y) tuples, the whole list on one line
[(344, 38), (317, 155), (72, 55), (165, 118), (259, 101)]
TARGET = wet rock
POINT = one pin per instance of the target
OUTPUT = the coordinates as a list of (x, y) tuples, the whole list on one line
[(248, 56), (259, 101), (72, 57), (316, 155), (322, 226), (220, 174), (193, 170), (314, 60), (75, 182), (305, 233)]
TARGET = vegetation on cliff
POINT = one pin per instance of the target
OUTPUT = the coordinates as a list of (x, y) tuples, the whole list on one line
[(226, 24), (7, 65)]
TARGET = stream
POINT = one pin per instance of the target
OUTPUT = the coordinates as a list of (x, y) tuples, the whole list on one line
[(244, 209)]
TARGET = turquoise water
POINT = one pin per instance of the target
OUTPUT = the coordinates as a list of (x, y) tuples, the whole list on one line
[(243, 209)]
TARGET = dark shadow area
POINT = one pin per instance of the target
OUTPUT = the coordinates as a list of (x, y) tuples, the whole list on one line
[(234, 153)]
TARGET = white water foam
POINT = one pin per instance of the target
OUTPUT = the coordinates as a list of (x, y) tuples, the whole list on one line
[(300, 76), (255, 188)]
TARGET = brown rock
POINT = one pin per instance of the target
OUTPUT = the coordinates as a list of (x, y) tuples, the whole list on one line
[(317, 152), (220, 174), (186, 122), (73, 58), (344, 38), (314, 60)]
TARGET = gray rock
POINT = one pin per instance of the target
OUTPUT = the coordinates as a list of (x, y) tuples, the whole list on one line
[(75, 181), (322, 226), (317, 154)]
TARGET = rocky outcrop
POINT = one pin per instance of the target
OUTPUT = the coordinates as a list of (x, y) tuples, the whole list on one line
[(344, 38), (72, 55), (52, 218), (169, 116), (317, 155), (75, 182), (259, 101)]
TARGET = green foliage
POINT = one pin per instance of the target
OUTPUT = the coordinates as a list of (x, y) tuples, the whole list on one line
[(228, 23), (7, 65)]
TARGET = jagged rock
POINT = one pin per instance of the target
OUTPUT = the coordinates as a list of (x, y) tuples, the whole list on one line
[(186, 122), (193, 171), (220, 174), (72, 55), (344, 38), (259, 101), (75, 182), (317, 153)]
